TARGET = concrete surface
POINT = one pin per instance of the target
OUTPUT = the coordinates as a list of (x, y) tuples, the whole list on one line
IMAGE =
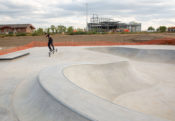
[(146, 55), (54, 94), (14, 55)]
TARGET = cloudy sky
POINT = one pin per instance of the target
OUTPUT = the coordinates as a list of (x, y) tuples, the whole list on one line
[(43, 13)]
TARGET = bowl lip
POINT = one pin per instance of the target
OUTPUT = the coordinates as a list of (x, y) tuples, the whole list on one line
[(82, 102)]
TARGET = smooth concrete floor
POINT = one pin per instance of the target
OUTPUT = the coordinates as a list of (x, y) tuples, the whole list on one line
[(103, 74)]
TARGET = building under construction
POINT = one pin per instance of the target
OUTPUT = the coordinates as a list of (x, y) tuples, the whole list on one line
[(109, 25)]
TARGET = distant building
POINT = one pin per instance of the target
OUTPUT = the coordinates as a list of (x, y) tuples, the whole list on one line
[(109, 25), (171, 29), (16, 28)]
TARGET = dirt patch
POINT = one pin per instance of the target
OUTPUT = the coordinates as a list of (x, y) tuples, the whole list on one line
[(13, 44), (120, 38)]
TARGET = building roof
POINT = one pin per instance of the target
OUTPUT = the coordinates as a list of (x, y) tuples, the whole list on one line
[(16, 25), (171, 28)]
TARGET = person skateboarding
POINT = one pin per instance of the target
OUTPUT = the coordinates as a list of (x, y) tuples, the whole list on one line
[(50, 43)]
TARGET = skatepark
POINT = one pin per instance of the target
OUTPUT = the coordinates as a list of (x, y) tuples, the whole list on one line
[(92, 83)]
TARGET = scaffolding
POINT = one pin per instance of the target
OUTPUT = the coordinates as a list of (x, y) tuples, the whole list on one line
[(100, 24)]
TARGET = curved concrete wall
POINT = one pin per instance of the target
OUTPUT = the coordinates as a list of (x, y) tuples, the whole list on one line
[(33, 103), (52, 97), (149, 55), (108, 80)]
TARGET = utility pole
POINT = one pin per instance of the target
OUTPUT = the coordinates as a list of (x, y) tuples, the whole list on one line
[(86, 16)]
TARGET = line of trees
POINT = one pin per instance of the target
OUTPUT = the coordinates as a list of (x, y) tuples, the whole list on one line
[(60, 29), (53, 30), (159, 29), (70, 30)]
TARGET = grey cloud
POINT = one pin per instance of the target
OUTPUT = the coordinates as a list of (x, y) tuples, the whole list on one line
[(72, 7), (15, 9), (142, 10)]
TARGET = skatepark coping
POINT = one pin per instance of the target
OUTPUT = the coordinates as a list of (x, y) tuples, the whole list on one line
[(82, 102)]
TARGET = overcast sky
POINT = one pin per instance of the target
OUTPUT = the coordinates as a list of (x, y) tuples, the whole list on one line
[(43, 13)]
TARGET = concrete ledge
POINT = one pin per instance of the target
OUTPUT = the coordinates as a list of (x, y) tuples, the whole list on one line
[(82, 103), (14, 55)]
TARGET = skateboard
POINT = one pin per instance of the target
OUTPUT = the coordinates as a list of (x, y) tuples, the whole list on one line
[(52, 52)]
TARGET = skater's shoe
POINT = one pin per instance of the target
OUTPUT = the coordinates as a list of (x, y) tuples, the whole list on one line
[(49, 53), (52, 51)]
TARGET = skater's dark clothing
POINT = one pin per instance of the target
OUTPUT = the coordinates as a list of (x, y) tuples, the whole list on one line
[(50, 44)]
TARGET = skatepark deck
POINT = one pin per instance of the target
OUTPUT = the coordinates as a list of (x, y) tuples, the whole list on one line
[(118, 83)]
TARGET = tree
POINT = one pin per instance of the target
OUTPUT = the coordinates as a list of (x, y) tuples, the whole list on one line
[(48, 30), (53, 28), (70, 30), (61, 29), (56, 30), (80, 30), (162, 29), (151, 28), (40, 31)]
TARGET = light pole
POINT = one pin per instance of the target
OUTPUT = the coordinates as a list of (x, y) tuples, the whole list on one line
[(86, 16)]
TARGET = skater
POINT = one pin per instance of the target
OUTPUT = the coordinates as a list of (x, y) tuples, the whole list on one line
[(50, 43)]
